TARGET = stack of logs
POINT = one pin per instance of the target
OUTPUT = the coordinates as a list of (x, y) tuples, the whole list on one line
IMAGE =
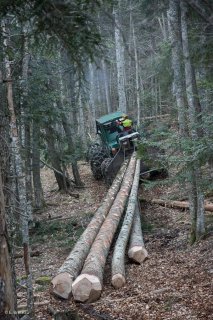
[(88, 256)]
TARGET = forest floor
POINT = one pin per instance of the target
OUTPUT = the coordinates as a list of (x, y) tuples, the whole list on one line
[(175, 282)]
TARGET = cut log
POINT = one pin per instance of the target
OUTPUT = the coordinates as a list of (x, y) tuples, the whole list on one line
[(118, 264), (87, 288), (177, 204), (137, 251), (72, 266)]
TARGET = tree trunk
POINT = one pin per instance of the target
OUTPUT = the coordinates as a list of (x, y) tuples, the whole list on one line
[(82, 124), (195, 116), (26, 122), (68, 130), (28, 175), (92, 97), (196, 204), (69, 136), (73, 264), (195, 131), (88, 286), (162, 25), (106, 86), (178, 80), (63, 183), (120, 61), (21, 187), (6, 282), (118, 265), (136, 76), (38, 191), (137, 251)]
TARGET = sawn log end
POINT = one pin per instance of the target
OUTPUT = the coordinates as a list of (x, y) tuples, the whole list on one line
[(118, 281), (138, 254), (86, 288), (62, 285)]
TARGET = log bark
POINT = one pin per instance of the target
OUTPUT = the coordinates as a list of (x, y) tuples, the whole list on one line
[(88, 286), (137, 251), (73, 264), (178, 204), (118, 264)]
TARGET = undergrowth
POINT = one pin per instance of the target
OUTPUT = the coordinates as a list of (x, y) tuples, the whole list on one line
[(65, 233)]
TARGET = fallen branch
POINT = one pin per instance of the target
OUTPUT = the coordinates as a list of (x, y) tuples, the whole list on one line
[(36, 304), (32, 254), (49, 219), (157, 116), (137, 251), (72, 194), (118, 264), (90, 310), (58, 218), (177, 204), (88, 286), (59, 172), (70, 269)]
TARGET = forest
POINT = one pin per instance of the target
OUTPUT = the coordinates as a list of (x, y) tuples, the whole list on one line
[(63, 65)]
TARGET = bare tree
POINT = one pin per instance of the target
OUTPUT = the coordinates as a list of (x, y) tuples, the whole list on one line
[(195, 122), (178, 79), (18, 168), (119, 46)]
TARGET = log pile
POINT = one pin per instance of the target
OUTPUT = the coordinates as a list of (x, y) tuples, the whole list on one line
[(90, 252), (73, 264)]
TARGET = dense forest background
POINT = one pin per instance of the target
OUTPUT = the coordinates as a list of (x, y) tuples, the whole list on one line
[(65, 63)]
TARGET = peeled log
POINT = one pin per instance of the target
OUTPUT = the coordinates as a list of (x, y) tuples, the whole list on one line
[(118, 264), (178, 204), (62, 282), (137, 251), (83, 288)]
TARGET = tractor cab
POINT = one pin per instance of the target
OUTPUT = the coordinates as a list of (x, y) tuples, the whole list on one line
[(112, 133), (108, 130)]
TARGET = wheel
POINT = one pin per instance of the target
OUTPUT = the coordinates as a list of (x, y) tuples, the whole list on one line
[(105, 172), (92, 150), (96, 155)]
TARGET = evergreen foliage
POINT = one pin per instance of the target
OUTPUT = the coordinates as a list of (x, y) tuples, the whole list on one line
[(73, 22)]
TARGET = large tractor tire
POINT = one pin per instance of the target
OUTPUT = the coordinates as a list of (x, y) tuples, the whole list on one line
[(96, 155), (108, 178)]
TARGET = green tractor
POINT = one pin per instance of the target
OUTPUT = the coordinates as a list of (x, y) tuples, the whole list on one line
[(116, 143)]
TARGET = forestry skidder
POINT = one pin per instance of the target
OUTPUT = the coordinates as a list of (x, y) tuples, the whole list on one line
[(117, 141)]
